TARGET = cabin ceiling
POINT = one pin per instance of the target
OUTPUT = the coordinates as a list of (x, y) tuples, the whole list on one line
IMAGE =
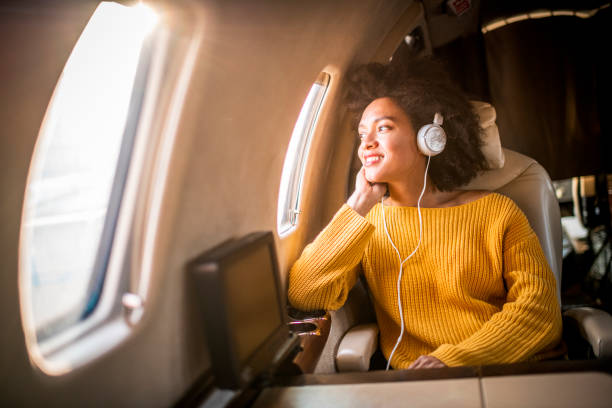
[(547, 77)]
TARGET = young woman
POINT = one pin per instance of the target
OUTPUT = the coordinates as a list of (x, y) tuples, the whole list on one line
[(457, 277)]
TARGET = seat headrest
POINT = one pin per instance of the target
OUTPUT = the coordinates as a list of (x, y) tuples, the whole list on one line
[(514, 165), (504, 165), (491, 146)]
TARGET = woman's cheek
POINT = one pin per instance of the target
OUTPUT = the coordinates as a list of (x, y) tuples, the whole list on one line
[(360, 155)]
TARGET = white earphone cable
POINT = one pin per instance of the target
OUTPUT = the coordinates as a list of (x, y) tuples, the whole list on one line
[(401, 263)]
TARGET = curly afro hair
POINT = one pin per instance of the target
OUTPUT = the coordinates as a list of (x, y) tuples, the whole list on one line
[(421, 88)]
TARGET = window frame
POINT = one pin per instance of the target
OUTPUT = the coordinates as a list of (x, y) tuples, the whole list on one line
[(296, 157), (121, 301)]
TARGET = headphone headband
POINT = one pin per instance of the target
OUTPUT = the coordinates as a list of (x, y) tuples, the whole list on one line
[(438, 119)]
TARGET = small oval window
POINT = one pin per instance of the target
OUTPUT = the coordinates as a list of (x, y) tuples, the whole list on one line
[(297, 155)]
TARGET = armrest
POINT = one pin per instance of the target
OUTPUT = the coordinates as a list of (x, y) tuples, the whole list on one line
[(595, 326), (357, 347)]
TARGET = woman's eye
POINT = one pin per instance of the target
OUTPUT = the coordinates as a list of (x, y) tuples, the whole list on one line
[(383, 128)]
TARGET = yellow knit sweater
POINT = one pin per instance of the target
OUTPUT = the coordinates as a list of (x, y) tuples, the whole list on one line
[(477, 291)]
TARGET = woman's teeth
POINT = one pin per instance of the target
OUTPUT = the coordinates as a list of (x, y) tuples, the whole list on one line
[(372, 159)]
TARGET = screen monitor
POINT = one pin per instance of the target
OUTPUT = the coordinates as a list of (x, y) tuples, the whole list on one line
[(238, 286)]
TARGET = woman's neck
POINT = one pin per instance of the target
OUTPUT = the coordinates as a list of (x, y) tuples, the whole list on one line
[(407, 195)]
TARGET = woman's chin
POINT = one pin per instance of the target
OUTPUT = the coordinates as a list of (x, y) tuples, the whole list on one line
[(374, 178)]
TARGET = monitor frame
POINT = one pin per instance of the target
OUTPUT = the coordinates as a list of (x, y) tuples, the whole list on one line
[(210, 272)]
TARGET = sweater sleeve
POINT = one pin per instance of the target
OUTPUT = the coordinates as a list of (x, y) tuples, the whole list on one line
[(326, 271), (530, 320)]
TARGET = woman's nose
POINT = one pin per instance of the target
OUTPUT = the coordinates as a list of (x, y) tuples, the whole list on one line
[(369, 141)]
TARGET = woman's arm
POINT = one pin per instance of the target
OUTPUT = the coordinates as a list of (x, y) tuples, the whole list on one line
[(530, 320), (326, 271)]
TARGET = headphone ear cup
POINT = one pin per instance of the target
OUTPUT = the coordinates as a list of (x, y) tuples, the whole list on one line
[(431, 139)]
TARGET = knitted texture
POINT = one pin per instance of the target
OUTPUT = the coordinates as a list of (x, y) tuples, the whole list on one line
[(477, 291)]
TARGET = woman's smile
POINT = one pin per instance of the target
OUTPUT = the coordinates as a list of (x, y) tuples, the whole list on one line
[(372, 159)]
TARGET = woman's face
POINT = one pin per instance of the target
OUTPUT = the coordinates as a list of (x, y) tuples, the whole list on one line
[(388, 149)]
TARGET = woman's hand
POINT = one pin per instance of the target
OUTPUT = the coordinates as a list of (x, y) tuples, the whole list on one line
[(366, 194), (426, 362)]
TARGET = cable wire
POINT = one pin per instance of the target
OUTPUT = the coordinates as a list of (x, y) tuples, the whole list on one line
[(401, 263)]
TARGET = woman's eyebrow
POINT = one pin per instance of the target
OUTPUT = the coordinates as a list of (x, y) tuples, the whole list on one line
[(392, 118), (383, 118)]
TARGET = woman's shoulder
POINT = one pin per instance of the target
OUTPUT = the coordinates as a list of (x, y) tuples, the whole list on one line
[(489, 198), (505, 203), (501, 213), (503, 210), (469, 196), (480, 198), (497, 207)]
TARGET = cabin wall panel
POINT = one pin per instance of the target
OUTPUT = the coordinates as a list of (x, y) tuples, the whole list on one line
[(34, 46), (256, 63), (246, 126), (251, 80)]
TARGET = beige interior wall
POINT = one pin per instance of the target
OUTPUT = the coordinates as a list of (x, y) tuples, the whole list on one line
[(34, 45), (256, 63)]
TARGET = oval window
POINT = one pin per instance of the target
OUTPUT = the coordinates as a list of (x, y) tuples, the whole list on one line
[(297, 155), (78, 171)]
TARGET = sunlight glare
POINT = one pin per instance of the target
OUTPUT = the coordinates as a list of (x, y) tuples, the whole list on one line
[(74, 165)]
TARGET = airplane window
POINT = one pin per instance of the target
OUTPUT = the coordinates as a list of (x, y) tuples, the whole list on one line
[(297, 155), (79, 168)]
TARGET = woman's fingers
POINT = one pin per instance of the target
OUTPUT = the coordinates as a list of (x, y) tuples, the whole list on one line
[(361, 183), (366, 194), (377, 190), (426, 362), (416, 363)]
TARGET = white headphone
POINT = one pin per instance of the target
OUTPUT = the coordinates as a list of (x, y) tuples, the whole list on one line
[(431, 138)]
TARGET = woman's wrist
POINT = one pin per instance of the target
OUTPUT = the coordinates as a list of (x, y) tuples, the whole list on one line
[(360, 203)]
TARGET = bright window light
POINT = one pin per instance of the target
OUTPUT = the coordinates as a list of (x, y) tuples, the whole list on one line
[(76, 176), (297, 155)]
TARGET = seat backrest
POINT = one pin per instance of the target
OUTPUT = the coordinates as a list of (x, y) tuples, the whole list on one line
[(527, 183)]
